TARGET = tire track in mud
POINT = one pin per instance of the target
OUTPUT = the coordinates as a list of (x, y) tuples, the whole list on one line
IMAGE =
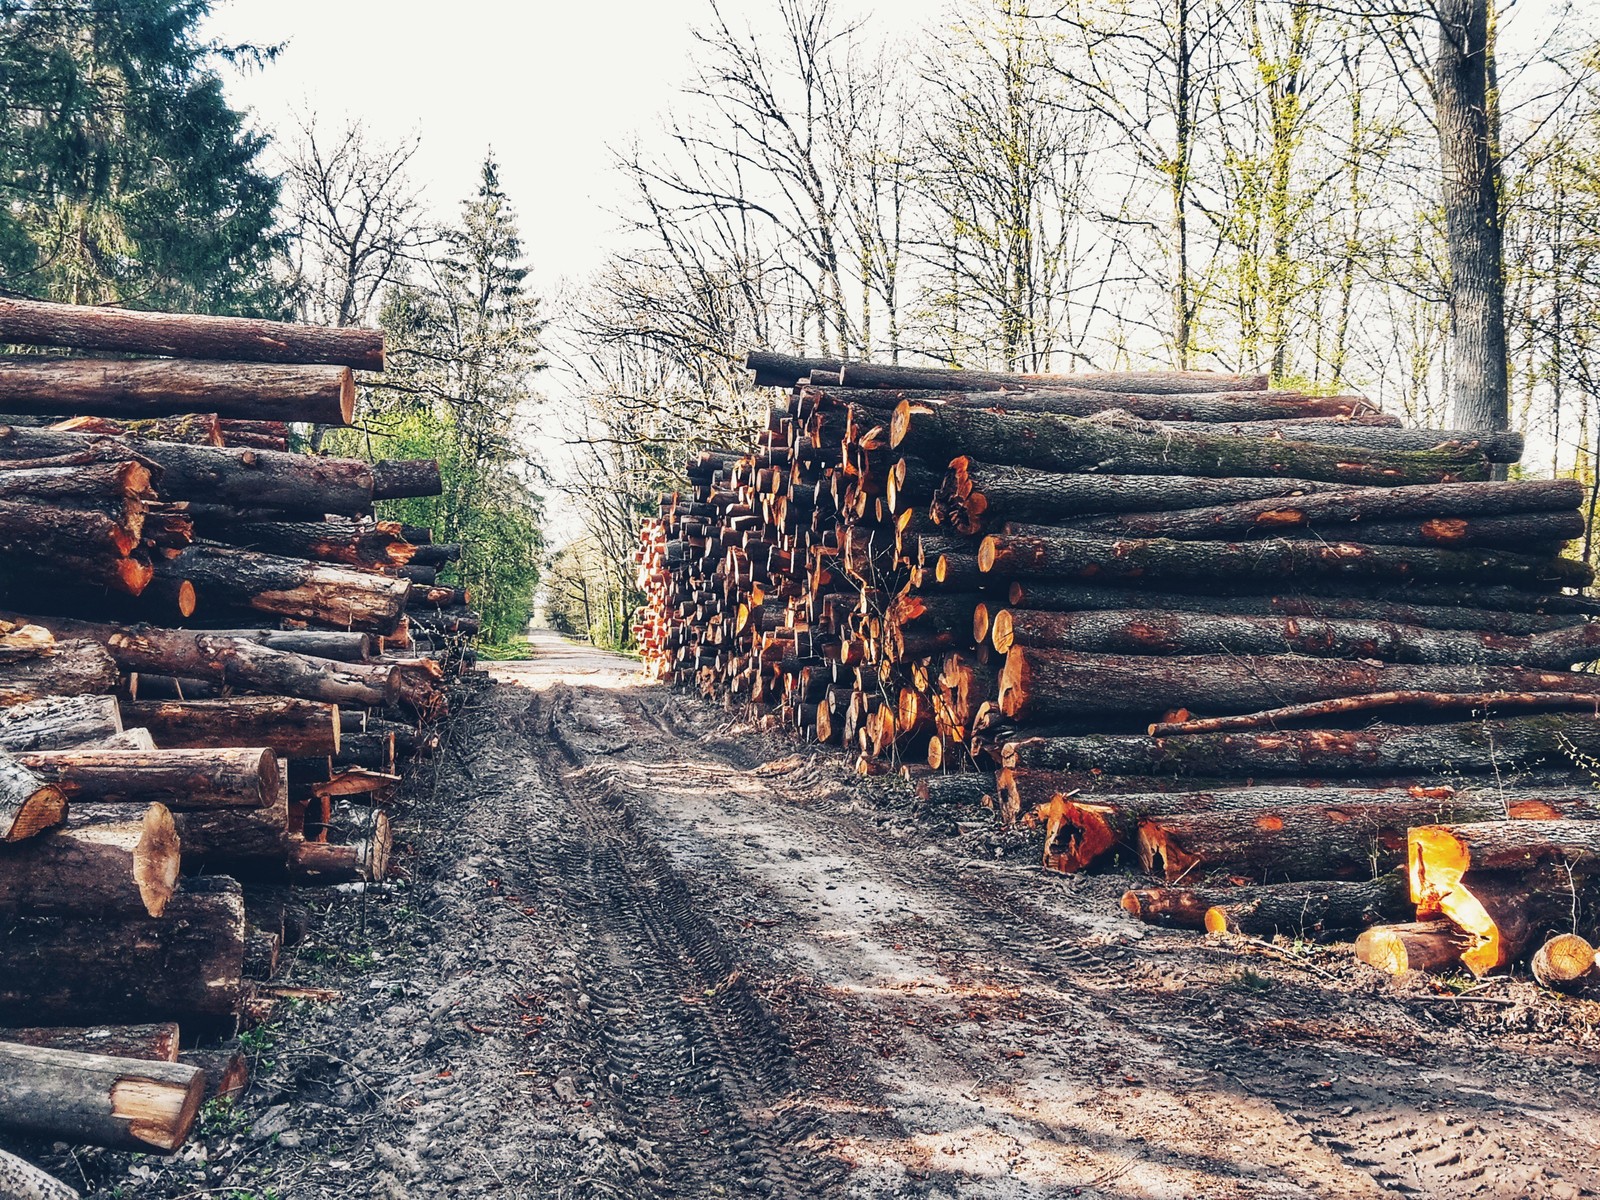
[(697, 1064), (1374, 1117)]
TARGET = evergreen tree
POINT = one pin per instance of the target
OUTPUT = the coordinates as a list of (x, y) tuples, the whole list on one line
[(124, 174)]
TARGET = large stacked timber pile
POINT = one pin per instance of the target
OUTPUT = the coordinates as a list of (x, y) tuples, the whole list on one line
[(1245, 639), (215, 666)]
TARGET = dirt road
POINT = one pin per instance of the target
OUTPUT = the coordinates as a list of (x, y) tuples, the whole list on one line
[(647, 953)]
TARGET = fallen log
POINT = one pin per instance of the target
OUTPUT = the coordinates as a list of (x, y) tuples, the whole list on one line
[(234, 841), (59, 722), (184, 965), (341, 597), (156, 1042), (130, 866), (1128, 446), (74, 668), (1498, 445), (1440, 855), (301, 483), (1237, 565), (1178, 908), (337, 540), (180, 779), (292, 728), (1333, 509), (186, 335), (785, 370), (1157, 631), (226, 1071), (29, 803), (84, 483), (939, 379), (1433, 946), (21, 1180), (195, 429), (121, 1103), (47, 530), (1307, 909), (158, 387), (396, 479)]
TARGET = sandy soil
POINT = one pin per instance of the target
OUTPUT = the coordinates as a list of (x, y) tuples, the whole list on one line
[(646, 952)]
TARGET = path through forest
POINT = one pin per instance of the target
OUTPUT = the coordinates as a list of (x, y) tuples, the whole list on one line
[(648, 953)]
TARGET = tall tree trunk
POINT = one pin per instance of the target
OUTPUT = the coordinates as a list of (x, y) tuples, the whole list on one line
[(1463, 97)]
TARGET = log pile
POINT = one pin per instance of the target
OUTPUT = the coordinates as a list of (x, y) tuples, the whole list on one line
[(216, 666), (1178, 621)]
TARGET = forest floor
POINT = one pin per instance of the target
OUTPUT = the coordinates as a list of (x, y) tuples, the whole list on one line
[(644, 951)]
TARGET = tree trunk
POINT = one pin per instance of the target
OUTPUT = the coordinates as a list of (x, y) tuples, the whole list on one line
[(1471, 193), (1043, 684), (1275, 561), (784, 370), (59, 722), (1177, 908), (1153, 631), (1070, 597), (395, 479), (1310, 910), (301, 483), (158, 387), (291, 728), (74, 668), (29, 803), (1497, 446), (45, 530), (185, 965), (356, 543), (1345, 512), (130, 866), (226, 1071), (121, 1103), (340, 597), (1128, 446), (157, 1042), (187, 335), (879, 375), (180, 779), (1474, 747), (90, 482)]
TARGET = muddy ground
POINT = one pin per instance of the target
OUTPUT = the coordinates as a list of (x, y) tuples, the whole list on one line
[(643, 951)]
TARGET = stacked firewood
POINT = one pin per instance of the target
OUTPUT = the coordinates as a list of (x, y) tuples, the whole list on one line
[(1154, 616), (215, 665)]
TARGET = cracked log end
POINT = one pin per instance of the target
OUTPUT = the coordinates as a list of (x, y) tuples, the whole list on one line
[(1564, 959), (1076, 834), (158, 1112)]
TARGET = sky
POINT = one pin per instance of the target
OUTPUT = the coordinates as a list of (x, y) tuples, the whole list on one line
[(552, 86)]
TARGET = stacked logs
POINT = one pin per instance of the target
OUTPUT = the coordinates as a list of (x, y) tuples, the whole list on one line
[(215, 665), (1152, 615)]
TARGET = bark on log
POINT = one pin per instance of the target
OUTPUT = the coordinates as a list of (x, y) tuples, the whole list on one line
[(882, 375), (785, 370), (1074, 597), (226, 1071), (396, 479), (350, 646), (233, 841), (341, 597), (1320, 710), (195, 429), (1471, 747), (159, 387), (46, 530), (250, 478), (186, 335), (1331, 510), (121, 1103), (76, 668), (1154, 631), (156, 1042), (1441, 854), (292, 728), (1310, 909), (1128, 446), (1498, 445), (1177, 908), (29, 803), (1236, 565), (185, 965), (21, 1180), (90, 482), (355, 543), (1044, 684), (1562, 961), (180, 779), (59, 722), (1269, 408), (957, 790), (130, 866), (1433, 946)]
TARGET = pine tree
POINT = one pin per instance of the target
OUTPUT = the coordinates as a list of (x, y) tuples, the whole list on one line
[(124, 174)]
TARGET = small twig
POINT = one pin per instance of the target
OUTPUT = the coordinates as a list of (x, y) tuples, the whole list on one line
[(1279, 951)]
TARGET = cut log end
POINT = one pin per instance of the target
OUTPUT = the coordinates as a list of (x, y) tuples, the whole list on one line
[(158, 1113), (43, 810), (156, 859), (1563, 960), (1432, 946)]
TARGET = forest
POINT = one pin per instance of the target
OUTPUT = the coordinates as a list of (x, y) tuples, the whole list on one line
[(1234, 185)]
